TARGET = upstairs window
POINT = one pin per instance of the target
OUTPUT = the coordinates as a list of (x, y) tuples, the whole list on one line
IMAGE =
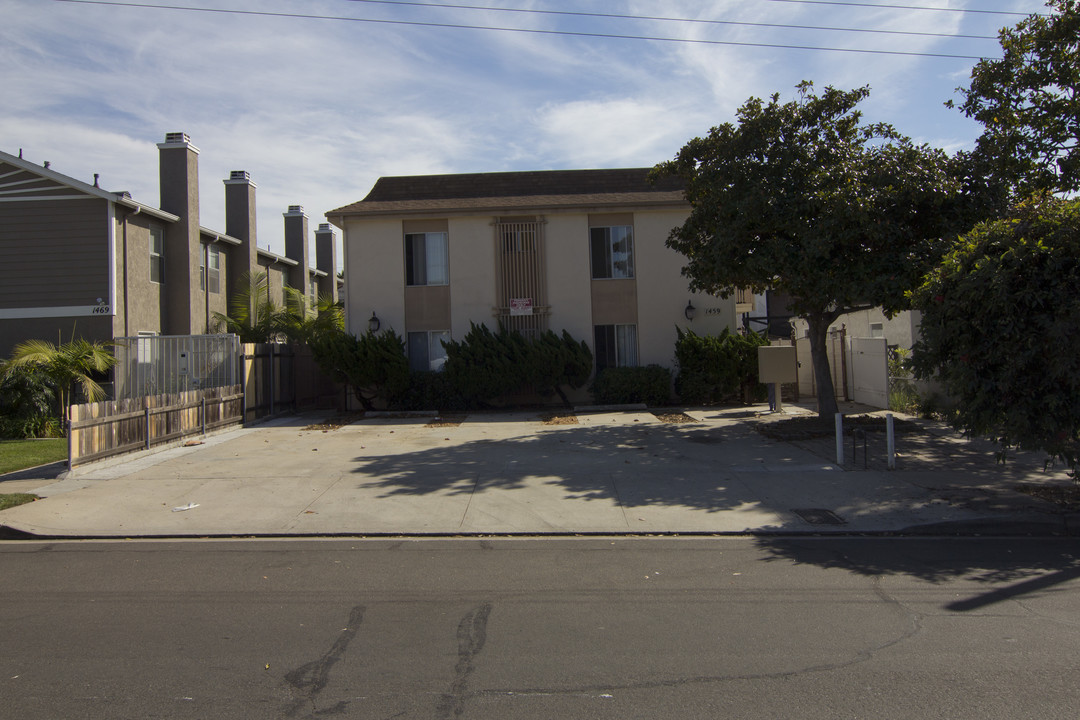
[(157, 254), (210, 268), (612, 250), (427, 260), (213, 275)]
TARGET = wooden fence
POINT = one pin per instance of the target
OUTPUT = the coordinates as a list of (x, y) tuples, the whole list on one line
[(99, 430)]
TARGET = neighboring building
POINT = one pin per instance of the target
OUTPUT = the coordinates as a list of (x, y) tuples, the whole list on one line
[(576, 250), (81, 261)]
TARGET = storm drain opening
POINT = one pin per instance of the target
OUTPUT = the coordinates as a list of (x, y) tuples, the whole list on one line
[(820, 516)]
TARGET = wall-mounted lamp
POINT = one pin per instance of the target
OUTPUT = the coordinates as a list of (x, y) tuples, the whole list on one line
[(690, 310), (373, 324)]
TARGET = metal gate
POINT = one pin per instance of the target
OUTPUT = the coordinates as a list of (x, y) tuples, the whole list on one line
[(170, 364)]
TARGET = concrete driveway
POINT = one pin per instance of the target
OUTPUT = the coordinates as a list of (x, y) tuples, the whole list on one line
[(604, 471)]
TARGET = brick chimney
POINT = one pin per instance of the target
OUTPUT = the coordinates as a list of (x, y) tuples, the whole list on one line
[(240, 224), (296, 247), (326, 260), (178, 170)]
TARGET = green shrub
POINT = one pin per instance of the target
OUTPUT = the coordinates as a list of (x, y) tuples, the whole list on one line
[(623, 385), (429, 391), (486, 365), (27, 403), (373, 365), (903, 395), (719, 368)]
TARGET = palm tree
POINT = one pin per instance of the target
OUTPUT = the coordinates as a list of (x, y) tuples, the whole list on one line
[(302, 324), (67, 366), (251, 312)]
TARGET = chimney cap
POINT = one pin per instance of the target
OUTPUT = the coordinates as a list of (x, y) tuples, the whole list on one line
[(239, 177), (325, 227), (177, 140), (295, 210)]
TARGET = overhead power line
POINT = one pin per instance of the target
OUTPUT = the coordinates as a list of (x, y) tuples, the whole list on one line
[(535, 31), (697, 21), (905, 7)]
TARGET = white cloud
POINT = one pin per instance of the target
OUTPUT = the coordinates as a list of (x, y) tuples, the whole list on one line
[(317, 110)]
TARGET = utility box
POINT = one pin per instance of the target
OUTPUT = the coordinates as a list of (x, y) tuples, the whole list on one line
[(777, 364)]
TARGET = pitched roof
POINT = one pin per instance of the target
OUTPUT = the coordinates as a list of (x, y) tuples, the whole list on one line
[(534, 190), (30, 181)]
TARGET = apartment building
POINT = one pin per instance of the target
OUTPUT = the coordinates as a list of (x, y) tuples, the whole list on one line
[(576, 250), (81, 261)]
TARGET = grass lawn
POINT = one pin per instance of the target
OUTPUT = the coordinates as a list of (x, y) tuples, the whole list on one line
[(10, 500), (19, 454)]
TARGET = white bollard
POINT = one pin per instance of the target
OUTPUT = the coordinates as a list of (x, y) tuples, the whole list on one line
[(891, 439), (839, 438)]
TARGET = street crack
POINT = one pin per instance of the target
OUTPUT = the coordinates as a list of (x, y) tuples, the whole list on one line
[(311, 678), (471, 636)]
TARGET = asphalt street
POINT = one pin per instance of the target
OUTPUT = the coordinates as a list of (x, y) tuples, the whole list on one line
[(617, 627)]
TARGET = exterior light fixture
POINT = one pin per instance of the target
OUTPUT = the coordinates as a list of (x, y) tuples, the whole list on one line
[(373, 324), (690, 310)]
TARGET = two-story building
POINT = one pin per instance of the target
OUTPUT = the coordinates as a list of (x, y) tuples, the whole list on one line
[(81, 261), (576, 250)]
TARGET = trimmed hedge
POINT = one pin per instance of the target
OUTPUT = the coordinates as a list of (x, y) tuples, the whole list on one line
[(486, 365), (623, 385), (718, 368)]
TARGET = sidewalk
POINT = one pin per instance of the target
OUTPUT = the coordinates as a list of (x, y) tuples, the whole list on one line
[(607, 472)]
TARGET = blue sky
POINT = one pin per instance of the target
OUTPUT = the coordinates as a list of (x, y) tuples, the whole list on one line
[(317, 109)]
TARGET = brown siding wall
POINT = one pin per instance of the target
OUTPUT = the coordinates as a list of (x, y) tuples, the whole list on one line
[(54, 253), (427, 308), (614, 302), (54, 330)]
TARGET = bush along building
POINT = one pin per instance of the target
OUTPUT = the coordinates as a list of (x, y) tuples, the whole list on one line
[(80, 261), (581, 251)]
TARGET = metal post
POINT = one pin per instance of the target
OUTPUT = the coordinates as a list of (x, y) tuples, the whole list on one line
[(69, 443), (839, 438), (779, 397), (204, 414), (147, 418), (891, 439)]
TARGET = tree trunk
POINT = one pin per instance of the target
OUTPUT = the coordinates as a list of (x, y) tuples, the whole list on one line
[(819, 356)]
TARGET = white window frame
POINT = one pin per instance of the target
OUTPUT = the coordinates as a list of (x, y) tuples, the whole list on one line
[(157, 254), (213, 274)]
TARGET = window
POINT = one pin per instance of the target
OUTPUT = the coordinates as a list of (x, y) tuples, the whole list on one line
[(157, 254), (213, 277), (426, 351), (426, 259), (877, 330), (615, 346), (612, 250)]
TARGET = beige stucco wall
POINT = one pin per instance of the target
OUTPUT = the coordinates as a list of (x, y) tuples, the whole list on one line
[(374, 272), (472, 273), (568, 275), (663, 292), (901, 330)]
